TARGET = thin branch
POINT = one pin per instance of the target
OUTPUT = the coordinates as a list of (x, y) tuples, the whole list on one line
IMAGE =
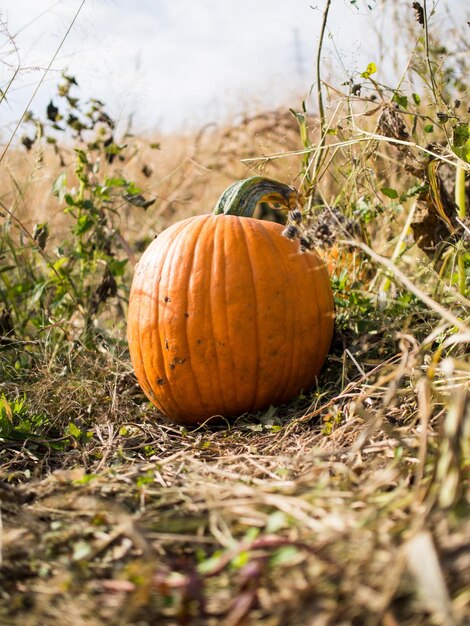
[(436, 93), (398, 274), (318, 157), (38, 86), (367, 137), (321, 108)]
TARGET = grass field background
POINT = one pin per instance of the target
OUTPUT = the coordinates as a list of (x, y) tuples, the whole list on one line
[(348, 506)]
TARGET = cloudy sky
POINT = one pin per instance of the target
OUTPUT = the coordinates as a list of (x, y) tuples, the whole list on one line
[(177, 63)]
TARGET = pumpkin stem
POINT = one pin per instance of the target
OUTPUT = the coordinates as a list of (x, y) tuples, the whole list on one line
[(243, 196)]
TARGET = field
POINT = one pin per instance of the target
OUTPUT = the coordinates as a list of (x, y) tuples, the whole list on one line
[(346, 507)]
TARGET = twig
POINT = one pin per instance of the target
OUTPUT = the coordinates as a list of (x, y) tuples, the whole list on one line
[(432, 304), (400, 247), (38, 86), (321, 109), (435, 90), (366, 137)]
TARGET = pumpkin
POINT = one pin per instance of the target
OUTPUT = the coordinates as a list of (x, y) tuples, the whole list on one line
[(338, 258), (225, 314)]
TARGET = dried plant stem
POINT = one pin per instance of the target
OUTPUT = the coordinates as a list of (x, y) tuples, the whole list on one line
[(321, 109), (399, 248), (45, 73), (437, 95), (364, 136), (406, 282)]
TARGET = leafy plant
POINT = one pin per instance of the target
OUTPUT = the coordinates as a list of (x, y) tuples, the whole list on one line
[(16, 420), (68, 283)]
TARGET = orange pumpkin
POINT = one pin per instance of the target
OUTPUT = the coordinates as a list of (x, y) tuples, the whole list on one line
[(225, 315), (338, 259)]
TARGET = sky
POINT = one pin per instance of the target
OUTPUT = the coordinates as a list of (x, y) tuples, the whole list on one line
[(174, 64)]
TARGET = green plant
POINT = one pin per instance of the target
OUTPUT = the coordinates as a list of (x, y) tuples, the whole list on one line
[(16, 420), (66, 283)]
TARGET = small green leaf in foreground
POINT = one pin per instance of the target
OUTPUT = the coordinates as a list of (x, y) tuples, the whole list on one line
[(390, 193), (461, 141), (402, 101)]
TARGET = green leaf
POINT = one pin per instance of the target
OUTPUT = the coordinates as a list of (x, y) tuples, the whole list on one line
[(132, 188), (81, 156), (370, 69), (38, 291), (73, 430), (206, 566), (59, 186), (69, 199), (85, 479), (117, 267), (284, 556), (115, 148), (6, 419), (416, 98), (269, 414), (402, 101), (84, 223), (240, 560), (412, 191), (429, 128), (58, 268), (390, 193), (461, 141), (115, 182)]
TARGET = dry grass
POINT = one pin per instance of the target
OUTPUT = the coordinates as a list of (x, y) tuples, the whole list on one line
[(185, 174), (286, 528), (347, 507)]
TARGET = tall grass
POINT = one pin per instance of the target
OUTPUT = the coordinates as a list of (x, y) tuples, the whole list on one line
[(347, 506)]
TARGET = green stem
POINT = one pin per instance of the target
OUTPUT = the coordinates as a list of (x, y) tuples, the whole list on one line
[(462, 212), (460, 192), (462, 279), (399, 248), (242, 197)]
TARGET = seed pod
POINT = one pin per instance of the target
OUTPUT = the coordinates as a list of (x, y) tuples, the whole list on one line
[(291, 231), (305, 244), (296, 216)]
